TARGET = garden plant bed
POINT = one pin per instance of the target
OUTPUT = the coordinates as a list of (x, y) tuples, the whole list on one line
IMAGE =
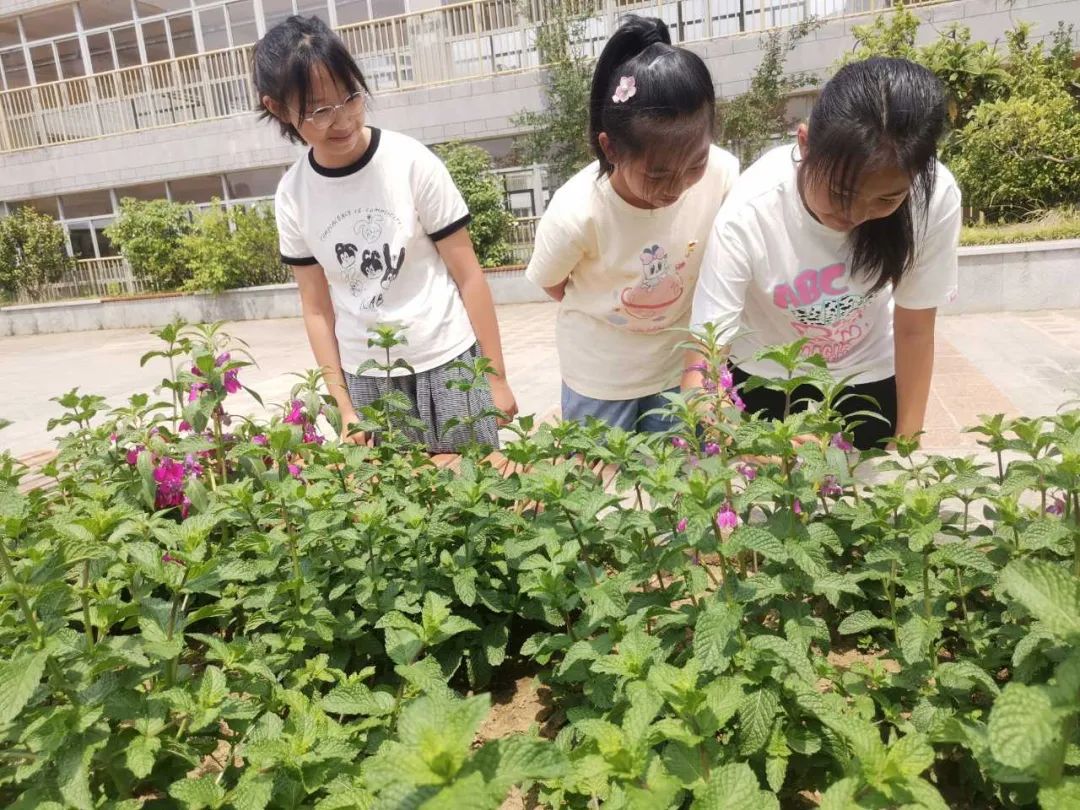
[(205, 611)]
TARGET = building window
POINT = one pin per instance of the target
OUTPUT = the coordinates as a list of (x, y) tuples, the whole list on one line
[(14, 67), (71, 61), (215, 33), (253, 183), (99, 13), (43, 205), (156, 40), (44, 63), (314, 8), (197, 190), (52, 22), (127, 46), (276, 11), (86, 204), (146, 191), (352, 11), (182, 32), (242, 22)]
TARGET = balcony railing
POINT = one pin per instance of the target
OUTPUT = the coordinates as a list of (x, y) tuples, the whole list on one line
[(90, 278), (448, 44)]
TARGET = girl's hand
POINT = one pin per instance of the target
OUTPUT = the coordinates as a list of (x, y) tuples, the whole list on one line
[(503, 399), (349, 435)]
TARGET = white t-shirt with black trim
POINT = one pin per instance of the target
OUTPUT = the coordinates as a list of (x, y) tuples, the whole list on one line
[(773, 274), (373, 226)]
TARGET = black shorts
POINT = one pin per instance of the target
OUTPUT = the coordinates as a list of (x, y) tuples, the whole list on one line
[(870, 433)]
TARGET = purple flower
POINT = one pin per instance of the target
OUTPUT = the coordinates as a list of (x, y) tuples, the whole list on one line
[(830, 487), (708, 385), (679, 442), (711, 448), (259, 439), (232, 384), (112, 438), (840, 443), (736, 400), (169, 476), (681, 527), (184, 425), (132, 455), (196, 391), (295, 416), (726, 517), (748, 471), (1057, 507), (192, 466), (727, 382), (221, 360), (294, 470), (311, 435), (796, 507), (169, 558)]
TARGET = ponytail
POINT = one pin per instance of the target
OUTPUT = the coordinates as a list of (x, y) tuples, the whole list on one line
[(672, 86)]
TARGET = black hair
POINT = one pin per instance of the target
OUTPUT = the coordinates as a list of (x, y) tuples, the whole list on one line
[(875, 114), (674, 97), (284, 59)]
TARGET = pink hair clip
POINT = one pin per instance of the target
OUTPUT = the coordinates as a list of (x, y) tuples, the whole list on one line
[(626, 90)]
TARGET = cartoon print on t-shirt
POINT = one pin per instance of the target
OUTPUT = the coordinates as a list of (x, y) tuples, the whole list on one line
[(649, 302), (825, 311), (369, 270)]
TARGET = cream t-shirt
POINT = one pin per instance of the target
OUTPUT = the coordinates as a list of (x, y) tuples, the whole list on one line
[(630, 276), (773, 274)]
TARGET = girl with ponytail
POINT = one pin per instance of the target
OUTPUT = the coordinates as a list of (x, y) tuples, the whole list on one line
[(620, 243)]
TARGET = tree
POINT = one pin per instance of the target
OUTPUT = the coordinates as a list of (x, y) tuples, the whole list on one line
[(149, 235), (470, 168), (558, 134), (33, 252), (749, 121)]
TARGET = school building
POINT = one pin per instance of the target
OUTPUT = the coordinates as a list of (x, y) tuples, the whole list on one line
[(106, 99)]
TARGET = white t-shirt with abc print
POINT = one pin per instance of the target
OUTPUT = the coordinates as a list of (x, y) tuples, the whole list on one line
[(773, 274), (373, 226), (630, 275)]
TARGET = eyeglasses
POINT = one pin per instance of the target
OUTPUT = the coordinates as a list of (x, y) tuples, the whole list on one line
[(323, 117)]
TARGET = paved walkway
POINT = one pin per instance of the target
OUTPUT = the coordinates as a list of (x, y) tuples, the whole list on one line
[(1017, 363)]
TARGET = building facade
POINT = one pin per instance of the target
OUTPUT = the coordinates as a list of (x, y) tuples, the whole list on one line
[(106, 99)]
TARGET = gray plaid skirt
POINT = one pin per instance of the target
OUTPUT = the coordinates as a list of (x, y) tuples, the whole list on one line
[(434, 404)]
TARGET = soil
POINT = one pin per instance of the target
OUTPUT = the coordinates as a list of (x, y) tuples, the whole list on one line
[(516, 707)]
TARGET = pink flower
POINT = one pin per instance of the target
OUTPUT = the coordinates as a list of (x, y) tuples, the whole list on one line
[(626, 90), (1057, 507), (196, 391), (840, 443), (169, 476), (708, 385), (736, 400), (112, 438), (232, 384), (747, 471), (169, 558), (184, 425), (726, 517), (796, 507), (726, 380), (711, 448), (830, 487), (295, 416), (132, 455), (679, 442), (221, 360), (681, 526), (294, 470), (259, 439)]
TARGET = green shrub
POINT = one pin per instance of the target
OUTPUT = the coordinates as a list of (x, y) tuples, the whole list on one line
[(1020, 154), (231, 248), (470, 168), (1063, 223), (150, 234), (33, 252)]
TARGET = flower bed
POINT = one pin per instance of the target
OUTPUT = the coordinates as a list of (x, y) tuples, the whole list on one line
[(206, 611)]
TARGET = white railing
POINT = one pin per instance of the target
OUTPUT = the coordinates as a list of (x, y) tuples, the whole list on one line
[(448, 44), (522, 237), (90, 278)]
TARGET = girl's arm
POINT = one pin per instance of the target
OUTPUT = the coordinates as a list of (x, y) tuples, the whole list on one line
[(558, 292), (913, 337), (319, 320), (457, 252)]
